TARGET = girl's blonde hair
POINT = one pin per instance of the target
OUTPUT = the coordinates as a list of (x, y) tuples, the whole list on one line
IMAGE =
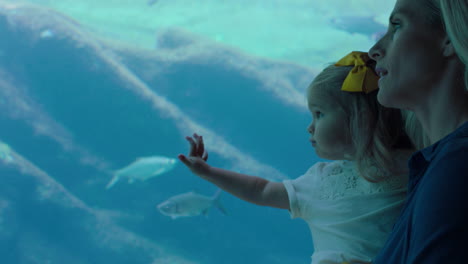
[(455, 16), (376, 132)]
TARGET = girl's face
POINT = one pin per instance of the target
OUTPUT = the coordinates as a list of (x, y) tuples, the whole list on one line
[(409, 56), (329, 130)]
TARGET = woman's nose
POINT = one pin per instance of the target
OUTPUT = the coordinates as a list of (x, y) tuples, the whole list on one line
[(376, 52)]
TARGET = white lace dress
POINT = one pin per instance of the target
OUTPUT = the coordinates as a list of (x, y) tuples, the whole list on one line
[(349, 217)]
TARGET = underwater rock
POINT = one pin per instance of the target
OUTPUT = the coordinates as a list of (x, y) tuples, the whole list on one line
[(64, 223), (74, 98), (9, 226), (47, 33), (5, 153), (359, 25)]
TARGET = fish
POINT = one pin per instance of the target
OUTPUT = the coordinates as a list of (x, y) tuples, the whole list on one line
[(366, 25), (190, 204), (151, 2), (143, 169)]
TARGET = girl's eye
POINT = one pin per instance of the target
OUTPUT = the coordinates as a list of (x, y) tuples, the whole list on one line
[(318, 114)]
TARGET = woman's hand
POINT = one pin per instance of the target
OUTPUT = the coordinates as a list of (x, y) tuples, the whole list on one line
[(197, 157)]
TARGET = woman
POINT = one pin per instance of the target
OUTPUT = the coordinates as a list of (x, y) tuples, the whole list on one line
[(421, 72)]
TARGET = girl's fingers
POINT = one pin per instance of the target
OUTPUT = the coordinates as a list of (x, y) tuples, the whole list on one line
[(187, 161), (195, 137), (205, 156), (201, 146), (193, 146), (197, 147), (183, 159)]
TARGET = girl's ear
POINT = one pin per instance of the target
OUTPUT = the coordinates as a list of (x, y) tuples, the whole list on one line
[(447, 47)]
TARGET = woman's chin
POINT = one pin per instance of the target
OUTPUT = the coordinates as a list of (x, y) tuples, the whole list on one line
[(387, 99)]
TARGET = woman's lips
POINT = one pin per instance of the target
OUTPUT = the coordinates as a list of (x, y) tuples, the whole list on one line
[(382, 72), (380, 81)]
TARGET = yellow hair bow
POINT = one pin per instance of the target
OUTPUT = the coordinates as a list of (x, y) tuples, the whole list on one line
[(361, 78)]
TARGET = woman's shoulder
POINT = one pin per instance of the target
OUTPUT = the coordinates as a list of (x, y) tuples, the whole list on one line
[(456, 148), (449, 154), (452, 158)]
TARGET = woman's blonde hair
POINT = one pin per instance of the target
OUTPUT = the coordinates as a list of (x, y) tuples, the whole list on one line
[(455, 16), (414, 130), (449, 16), (376, 131)]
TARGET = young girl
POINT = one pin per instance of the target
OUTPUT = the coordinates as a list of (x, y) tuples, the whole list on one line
[(351, 203)]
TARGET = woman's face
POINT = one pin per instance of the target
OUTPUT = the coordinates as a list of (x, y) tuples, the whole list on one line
[(409, 56)]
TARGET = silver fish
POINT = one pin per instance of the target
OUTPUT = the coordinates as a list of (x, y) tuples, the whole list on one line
[(143, 169), (151, 2), (190, 204)]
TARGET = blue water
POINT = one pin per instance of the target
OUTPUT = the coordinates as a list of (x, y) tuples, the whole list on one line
[(72, 111)]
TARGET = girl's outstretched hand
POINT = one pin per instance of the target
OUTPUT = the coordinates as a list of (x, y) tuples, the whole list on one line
[(197, 157)]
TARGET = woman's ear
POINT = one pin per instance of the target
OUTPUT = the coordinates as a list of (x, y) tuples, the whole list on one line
[(447, 46)]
